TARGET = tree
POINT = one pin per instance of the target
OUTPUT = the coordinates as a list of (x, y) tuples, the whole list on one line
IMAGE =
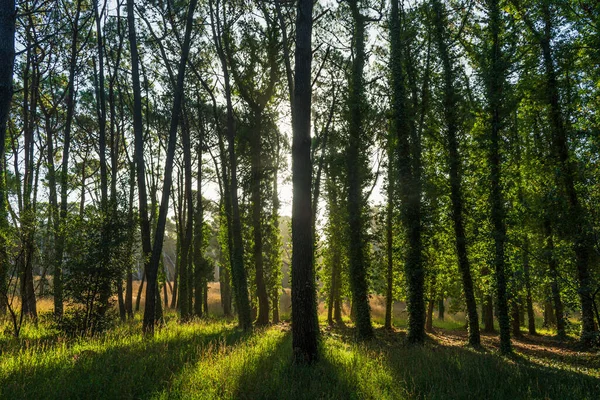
[(495, 81), (408, 181), (452, 123), (7, 58), (356, 175), (238, 273), (305, 330)]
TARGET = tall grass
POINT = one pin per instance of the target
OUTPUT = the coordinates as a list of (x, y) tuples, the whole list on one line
[(214, 360)]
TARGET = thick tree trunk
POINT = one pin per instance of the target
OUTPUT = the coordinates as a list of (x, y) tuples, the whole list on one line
[(488, 314), (451, 109), (356, 178), (583, 242), (408, 183), (305, 329)]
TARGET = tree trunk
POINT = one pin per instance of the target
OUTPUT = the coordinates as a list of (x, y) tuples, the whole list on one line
[(408, 183), (121, 300), (257, 228), (132, 231), (305, 329), (516, 318), (559, 318), (488, 314), (186, 266), (139, 156), (452, 119), (238, 272), (582, 238), (355, 179), (199, 262), (528, 294), (30, 100), (139, 293), (152, 267), (335, 265), (389, 236), (429, 316), (129, 293), (497, 74)]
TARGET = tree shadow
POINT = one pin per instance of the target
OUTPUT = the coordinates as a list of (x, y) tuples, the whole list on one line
[(441, 371), (138, 369), (276, 376)]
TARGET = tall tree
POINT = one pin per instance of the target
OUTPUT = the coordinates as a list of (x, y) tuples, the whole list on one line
[(257, 96), (305, 329), (238, 273), (356, 175), (408, 181), (495, 77), (7, 58), (452, 125)]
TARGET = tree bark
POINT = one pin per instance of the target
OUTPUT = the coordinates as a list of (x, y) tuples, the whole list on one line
[(389, 235), (559, 317), (496, 81), (238, 272), (199, 262), (567, 173), (7, 60), (409, 187), (451, 116), (257, 228), (186, 265), (356, 178), (305, 329), (528, 294)]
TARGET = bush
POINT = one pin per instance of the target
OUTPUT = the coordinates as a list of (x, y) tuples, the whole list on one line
[(94, 262)]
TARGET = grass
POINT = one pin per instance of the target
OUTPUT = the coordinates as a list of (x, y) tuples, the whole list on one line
[(214, 360)]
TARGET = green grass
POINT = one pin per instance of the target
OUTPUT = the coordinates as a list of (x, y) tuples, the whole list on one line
[(214, 360)]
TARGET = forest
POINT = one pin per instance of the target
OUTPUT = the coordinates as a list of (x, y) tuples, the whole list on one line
[(299, 199)]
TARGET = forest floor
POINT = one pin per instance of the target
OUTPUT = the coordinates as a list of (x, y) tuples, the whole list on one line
[(212, 359)]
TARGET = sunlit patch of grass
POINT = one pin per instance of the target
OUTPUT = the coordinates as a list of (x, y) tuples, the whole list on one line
[(262, 368), (214, 360), (118, 364)]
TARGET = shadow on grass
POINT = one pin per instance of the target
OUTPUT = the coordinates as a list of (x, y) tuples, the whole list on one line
[(132, 370), (275, 376), (437, 371)]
